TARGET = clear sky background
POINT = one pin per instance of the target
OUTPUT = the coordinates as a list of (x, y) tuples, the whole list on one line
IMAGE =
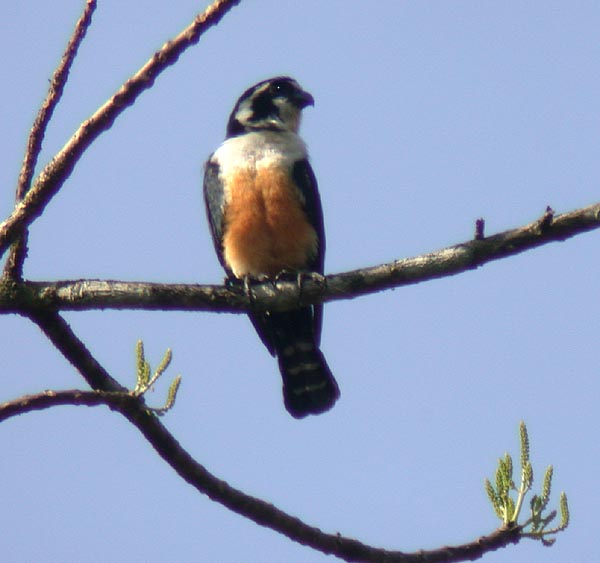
[(428, 115)]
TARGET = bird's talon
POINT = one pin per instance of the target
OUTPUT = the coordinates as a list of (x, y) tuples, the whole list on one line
[(285, 275)]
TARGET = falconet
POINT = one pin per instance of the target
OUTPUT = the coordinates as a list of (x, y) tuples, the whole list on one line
[(265, 218)]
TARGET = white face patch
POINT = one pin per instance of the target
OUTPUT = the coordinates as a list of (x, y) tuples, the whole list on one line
[(244, 113), (288, 113)]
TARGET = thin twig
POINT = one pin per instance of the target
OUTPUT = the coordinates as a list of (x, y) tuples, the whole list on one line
[(14, 264), (55, 90), (60, 167), (84, 295)]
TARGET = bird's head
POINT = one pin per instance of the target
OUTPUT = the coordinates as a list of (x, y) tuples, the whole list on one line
[(272, 105)]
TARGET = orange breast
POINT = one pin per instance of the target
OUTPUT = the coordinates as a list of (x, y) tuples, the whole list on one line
[(266, 229)]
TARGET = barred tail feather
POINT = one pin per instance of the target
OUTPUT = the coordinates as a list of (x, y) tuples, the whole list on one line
[(308, 384), (293, 336)]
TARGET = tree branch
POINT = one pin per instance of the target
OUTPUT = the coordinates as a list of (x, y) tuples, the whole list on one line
[(253, 508), (74, 397), (55, 90), (83, 295), (60, 167), (14, 264), (75, 351)]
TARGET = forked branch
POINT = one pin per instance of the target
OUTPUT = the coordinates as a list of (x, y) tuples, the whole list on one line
[(60, 167), (14, 264), (257, 510)]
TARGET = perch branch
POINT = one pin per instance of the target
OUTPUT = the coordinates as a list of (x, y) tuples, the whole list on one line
[(83, 295)]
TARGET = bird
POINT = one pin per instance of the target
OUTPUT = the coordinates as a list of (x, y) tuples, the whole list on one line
[(266, 220)]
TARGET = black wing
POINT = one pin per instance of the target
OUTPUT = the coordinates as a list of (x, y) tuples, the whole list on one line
[(305, 179), (213, 200)]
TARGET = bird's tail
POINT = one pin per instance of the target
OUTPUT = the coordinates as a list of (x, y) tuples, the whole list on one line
[(308, 384), (293, 336)]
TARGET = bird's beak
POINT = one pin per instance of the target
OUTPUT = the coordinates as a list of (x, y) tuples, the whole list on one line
[(303, 99)]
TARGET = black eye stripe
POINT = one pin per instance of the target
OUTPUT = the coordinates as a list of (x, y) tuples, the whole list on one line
[(263, 106)]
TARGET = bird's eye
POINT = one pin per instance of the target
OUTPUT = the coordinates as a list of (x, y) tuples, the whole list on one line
[(280, 89)]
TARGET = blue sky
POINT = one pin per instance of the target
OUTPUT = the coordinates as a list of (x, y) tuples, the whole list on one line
[(428, 115)]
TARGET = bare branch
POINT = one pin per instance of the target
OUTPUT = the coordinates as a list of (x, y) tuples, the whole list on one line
[(60, 167), (75, 397), (466, 256), (74, 350), (83, 295), (257, 510), (14, 264), (55, 90)]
